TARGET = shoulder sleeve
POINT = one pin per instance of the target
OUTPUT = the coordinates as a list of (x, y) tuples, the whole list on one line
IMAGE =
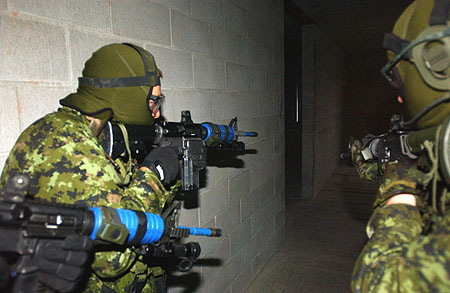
[(383, 258), (66, 164)]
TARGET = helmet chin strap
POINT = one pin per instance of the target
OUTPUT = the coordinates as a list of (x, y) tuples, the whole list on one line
[(444, 99)]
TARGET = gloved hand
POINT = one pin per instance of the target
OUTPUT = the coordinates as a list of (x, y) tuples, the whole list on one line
[(366, 170), (163, 161), (62, 264), (401, 177)]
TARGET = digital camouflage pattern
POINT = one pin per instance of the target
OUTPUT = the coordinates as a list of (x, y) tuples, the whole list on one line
[(398, 258), (401, 177), (409, 247), (369, 171), (66, 164)]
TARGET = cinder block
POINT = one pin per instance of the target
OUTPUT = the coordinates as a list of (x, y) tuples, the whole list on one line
[(198, 102), (243, 280), (189, 217), (237, 77), (223, 104), (236, 19), (254, 124), (257, 81), (210, 285), (145, 21), (248, 104), (280, 219), (239, 186), (206, 243), (258, 220), (271, 37), (209, 73), (275, 242), (2, 7), (278, 14), (259, 174), (259, 261), (278, 144), (175, 65), (32, 51), (244, 4), (220, 253), (222, 174), (276, 204), (249, 251), (9, 119), (268, 229), (84, 12), (278, 62), (240, 236), (3, 158), (272, 82), (260, 8), (48, 102), (256, 29), (229, 218), (223, 44), (250, 204), (210, 11), (189, 33), (250, 53), (180, 5), (267, 192), (212, 202), (252, 157), (228, 273), (266, 104), (82, 46), (228, 104), (280, 182), (277, 163)]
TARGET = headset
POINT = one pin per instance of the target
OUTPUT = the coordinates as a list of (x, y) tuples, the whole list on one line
[(430, 51)]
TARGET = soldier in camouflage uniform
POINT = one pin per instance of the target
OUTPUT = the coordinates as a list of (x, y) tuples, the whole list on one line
[(62, 155), (409, 241)]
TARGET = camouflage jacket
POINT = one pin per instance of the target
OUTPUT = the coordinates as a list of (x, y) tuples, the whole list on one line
[(66, 164), (399, 258)]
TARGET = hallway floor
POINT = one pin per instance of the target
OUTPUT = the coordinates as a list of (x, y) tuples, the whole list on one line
[(323, 238)]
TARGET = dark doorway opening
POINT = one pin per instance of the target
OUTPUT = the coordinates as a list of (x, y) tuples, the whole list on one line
[(294, 18)]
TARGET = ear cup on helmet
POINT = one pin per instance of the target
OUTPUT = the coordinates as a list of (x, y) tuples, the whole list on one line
[(432, 58)]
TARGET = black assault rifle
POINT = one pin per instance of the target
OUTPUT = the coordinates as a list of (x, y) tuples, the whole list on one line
[(27, 225), (386, 147), (191, 139)]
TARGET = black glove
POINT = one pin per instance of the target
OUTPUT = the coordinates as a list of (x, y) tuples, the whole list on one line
[(164, 162), (62, 264)]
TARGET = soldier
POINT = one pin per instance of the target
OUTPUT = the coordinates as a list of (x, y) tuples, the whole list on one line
[(409, 241), (62, 155)]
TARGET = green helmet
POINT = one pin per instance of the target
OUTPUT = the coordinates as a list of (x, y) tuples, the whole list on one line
[(419, 54), (117, 85)]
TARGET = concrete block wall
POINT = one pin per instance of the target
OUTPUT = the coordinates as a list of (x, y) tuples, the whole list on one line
[(220, 58), (323, 84)]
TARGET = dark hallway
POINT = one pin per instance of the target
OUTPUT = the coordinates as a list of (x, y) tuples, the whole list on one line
[(323, 238), (339, 92)]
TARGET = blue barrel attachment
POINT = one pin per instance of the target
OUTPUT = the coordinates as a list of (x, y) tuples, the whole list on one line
[(129, 218)]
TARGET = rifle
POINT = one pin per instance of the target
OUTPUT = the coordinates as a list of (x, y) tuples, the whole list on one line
[(27, 224), (401, 141), (386, 147), (191, 139)]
